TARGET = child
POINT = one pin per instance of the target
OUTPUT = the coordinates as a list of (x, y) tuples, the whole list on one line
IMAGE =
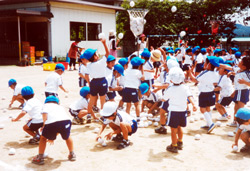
[(110, 65), (120, 122), (17, 92), (206, 81), (83, 72), (148, 67), (188, 62), (55, 121), (54, 80), (33, 107), (133, 79), (97, 71), (150, 99), (113, 82), (243, 119), (80, 107), (225, 87), (241, 84), (177, 96)]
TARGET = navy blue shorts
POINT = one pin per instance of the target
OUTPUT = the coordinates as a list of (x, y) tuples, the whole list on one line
[(34, 126), (199, 68), (241, 96), (206, 99), (47, 94), (110, 95), (157, 64), (130, 95), (164, 106), (82, 82), (149, 82), (186, 67), (152, 102), (120, 92), (180, 64), (134, 128), (176, 119), (74, 113), (62, 127), (98, 86), (225, 101)]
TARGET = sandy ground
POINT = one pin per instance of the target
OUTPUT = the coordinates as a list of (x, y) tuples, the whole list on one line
[(147, 152)]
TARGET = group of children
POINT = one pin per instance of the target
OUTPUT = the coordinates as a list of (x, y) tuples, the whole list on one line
[(133, 78)]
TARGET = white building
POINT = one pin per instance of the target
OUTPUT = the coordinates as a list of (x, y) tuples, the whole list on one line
[(51, 26)]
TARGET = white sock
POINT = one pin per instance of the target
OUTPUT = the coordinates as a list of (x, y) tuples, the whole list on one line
[(208, 118), (210, 113)]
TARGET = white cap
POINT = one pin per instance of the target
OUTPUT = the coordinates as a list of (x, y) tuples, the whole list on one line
[(171, 63), (108, 109), (176, 75)]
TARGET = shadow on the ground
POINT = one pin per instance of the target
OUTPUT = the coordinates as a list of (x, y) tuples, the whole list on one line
[(20, 144), (158, 157)]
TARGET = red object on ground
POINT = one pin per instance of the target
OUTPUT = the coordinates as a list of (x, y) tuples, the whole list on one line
[(65, 64)]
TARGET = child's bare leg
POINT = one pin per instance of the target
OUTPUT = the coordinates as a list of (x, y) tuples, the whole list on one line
[(20, 99), (28, 130), (121, 103), (126, 128), (245, 138), (82, 113), (70, 144), (137, 109), (162, 117), (128, 108), (220, 108), (42, 144), (91, 102), (180, 134), (102, 100), (174, 136)]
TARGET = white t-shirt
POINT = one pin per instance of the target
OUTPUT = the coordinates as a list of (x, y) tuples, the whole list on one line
[(97, 69), (133, 78), (247, 127), (53, 81), (177, 96), (34, 107), (112, 81), (109, 72), (83, 70), (206, 80), (199, 59), (122, 79), (183, 50), (80, 104), (226, 86), (188, 60), (179, 57), (241, 75), (155, 97), (143, 46), (121, 116), (148, 66), (163, 78), (55, 113), (18, 89)]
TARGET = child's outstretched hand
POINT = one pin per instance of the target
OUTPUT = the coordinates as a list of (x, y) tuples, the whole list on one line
[(109, 136), (194, 108), (103, 41)]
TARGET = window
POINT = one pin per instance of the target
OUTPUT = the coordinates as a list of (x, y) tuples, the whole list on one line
[(77, 30), (93, 30)]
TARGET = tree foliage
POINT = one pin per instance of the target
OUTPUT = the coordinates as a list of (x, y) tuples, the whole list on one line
[(194, 18)]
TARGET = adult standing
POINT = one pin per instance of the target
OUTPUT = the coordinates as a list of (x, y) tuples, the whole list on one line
[(113, 44), (142, 43), (73, 52)]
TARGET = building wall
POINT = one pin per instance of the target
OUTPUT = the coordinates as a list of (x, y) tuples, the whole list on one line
[(60, 25)]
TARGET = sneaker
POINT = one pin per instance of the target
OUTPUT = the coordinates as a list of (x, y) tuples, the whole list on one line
[(172, 149), (35, 140), (88, 119), (123, 144), (76, 121), (72, 157), (38, 160), (245, 149), (233, 124), (205, 127), (161, 130), (70, 69), (117, 138), (211, 128), (222, 118), (180, 145)]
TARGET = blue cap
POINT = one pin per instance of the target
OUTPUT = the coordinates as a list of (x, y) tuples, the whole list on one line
[(110, 58), (52, 99), (144, 87), (170, 51), (176, 50), (146, 53), (237, 54), (203, 50), (217, 51), (119, 68), (215, 61), (197, 47), (243, 113), (234, 49), (84, 91), (11, 81), (26, 91), (60, 66), (88, 53), (123, 61), (137, 61)]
